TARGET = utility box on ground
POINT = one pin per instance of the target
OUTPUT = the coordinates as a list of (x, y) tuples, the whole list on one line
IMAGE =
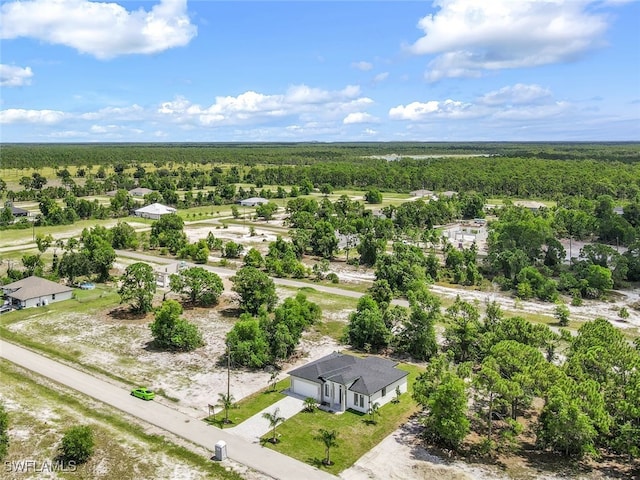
[(221, 450)]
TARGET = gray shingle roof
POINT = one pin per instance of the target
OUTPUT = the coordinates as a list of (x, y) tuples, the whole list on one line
[(33, 287), (368, 375)]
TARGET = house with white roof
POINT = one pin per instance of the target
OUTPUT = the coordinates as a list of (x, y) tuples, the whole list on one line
[(154, 211)]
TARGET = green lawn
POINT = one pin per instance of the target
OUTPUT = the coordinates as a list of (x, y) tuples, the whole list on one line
[(249, 406), (356, 434)]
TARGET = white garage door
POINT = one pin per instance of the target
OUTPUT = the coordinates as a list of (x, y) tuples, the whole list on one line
[(304, 388)]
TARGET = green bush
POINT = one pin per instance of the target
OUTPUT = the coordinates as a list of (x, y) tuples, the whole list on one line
[(77, 444)]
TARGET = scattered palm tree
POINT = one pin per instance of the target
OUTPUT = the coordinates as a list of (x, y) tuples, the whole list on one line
[(329, 438), (374, 410), (274, 420), (310, 404), (226, 402), (273, 380)]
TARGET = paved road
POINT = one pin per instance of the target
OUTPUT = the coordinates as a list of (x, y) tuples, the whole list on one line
[(252, 455)]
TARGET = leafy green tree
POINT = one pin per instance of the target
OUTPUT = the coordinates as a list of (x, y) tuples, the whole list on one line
[(124, 236), (172, 332), (255, 288), (138, 286), (197, 285), (248, 343), (274, 418), (572, 417), (4, 435), (329, 440), (462, 332), (232, 249), (366, 329), (417, 336), (33, 264), (446, 420), (266, 210), (253, 258), (77, 444), (43, 242), (73, 265), (168, 232), (369, 248), (373, 196), (324, 242), (561, 313)]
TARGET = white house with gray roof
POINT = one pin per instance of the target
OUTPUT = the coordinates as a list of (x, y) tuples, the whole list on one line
[(35, 291), (340, 381)]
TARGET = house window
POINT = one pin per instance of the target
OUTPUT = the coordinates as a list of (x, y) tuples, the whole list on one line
[(384, 391), (326, 389), (355, 399), (362, 401)]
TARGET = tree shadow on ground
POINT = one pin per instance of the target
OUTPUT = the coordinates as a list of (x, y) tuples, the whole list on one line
[(124, 313)]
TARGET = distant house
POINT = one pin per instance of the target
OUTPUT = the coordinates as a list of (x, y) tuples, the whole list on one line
[(448, 194), (164, 272), (253, 201), (618, 210), (531, 205), (140, 192), (422, 193), (154, 211), (18, 212), (340, 381), (35, 291)]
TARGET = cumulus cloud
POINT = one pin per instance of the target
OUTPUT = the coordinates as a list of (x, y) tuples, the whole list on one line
[(469, 37), (253, 107), (359, 117), (362, 66), (417, 111), (517, 103), (101, 29), (13, 76), (18, 115)]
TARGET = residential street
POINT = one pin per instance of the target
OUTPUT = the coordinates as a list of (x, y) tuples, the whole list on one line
[(250, 454)]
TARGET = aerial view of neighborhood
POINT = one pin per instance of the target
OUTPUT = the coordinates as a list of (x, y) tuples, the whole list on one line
[(299, 240)]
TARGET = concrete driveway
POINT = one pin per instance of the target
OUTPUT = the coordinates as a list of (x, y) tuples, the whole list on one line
[(255, 427)]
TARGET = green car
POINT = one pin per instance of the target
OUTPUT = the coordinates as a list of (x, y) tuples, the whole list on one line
[(143, 393)]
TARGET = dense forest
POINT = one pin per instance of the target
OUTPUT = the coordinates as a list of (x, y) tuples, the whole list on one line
[(543, 170)]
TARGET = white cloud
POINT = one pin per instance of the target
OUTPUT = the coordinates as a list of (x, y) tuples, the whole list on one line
[(101, 29), (469, 37), (362, 66), (417, 111), (359, 117), (517, 94), (13, 76), (18, 115), (134, 112), (252, 107), (381, 77)]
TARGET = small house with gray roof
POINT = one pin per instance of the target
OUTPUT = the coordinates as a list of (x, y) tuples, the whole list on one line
[(340, 381), (35, 291)]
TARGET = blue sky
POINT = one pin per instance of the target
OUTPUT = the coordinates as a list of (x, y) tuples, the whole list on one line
[(207, 71)]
